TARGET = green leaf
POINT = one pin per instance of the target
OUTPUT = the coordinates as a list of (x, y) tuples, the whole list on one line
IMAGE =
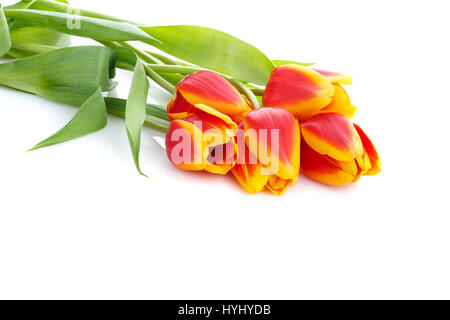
[(40, 35), (283, 62), (53, 74), (90, 117), (5, 39), (87, 27), (136, 111), (75, 75), (215, 50)]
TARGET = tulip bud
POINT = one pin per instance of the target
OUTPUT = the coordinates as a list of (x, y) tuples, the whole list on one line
[(307, 92), (335, 151), (269, 151), (210, 89), (204, 141)]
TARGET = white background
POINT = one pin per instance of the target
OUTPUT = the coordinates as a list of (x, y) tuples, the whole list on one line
[(77, 221)]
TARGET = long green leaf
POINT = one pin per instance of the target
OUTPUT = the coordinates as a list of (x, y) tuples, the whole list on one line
[(213, 49), (90, 117), (136, 111), (40, 35), (5, 39), (87, 27), (50, 74)]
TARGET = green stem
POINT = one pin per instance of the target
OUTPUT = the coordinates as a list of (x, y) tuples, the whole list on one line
[(162, 58), (145, 56), (174, 68), (159, 80), (242, 88), (149, 70)]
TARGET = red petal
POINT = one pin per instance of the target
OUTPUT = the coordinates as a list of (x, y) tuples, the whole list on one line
[(334, 135), (369, 148), (302, 91), (209, 88)]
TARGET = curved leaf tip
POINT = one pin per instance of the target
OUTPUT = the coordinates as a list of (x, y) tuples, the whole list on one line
[(135, 112), (90, 117)]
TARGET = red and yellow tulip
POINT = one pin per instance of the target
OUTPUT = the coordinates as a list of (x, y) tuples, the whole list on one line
[(306, 92), (335, 151), (269, 151), (202, 141), (206, 88)]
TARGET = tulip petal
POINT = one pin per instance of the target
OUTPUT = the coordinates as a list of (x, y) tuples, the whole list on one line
[(302, 91), (363, 163), (250, 178), (370, 150), (215, 118), (179, 108), (221, 158), (184, 146), (341, 103), (208, 138), (335, 77), (276, 142), (334, 135), (219, 149), (248, 171), (209, 88), (324, 169), (277, 185)]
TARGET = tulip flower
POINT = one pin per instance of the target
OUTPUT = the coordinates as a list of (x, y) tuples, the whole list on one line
[(335, 151), (210, 89), (306, 92), (269, 151), (203, 142)]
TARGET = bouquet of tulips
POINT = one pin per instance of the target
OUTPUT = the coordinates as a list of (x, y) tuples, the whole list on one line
[(233, 109)]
